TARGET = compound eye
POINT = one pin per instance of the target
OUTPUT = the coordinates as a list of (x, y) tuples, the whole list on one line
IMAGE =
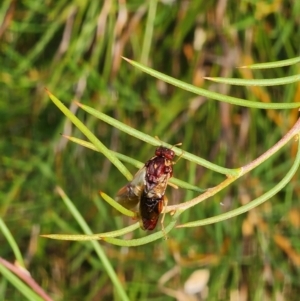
[(170, 154), (160, 151)]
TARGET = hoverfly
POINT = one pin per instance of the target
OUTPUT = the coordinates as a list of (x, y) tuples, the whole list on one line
[(148, 187)]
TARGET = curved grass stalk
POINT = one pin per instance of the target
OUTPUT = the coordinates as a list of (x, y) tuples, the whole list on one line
[(135, 163), (11, 241), (108, 236), (98, 144), (150, 24), (210, 94), (276, 64), (98, 249), (88, 237), (256, 82), (117, 206), (27, 292), (232, 174), (295, 130), (258, 201), (147, 239), (149, 139)]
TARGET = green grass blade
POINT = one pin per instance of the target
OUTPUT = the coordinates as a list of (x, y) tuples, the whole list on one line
[(99, 145), (11, 242), (149, 31), (210, 94), (147, 138), (147, 239), (258, 201), (98, 249), (256, 82), (276, 64), (98, 236), (26, 291), (117, 206), (135, 163), (91, 146)]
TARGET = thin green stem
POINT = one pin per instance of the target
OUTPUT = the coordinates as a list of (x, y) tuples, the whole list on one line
[(99, 145), (276, 64), (135, 163), (256, 82), (26, 291), (98, 236), (147, 239), (210, 94), (149, 31), (212, 191), (98, 249), (117, 206), (258, 201), (147, 138), (12, 242)]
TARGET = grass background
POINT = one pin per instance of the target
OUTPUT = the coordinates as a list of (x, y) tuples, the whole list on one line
[(74, 49)]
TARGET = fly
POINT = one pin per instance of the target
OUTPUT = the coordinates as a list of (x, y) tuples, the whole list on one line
[(148, 187)]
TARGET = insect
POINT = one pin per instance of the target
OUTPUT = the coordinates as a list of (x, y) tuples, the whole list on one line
[(148, 187)]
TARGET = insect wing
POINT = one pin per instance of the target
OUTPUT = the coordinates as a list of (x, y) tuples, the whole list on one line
[(129, 195), (139, 178)]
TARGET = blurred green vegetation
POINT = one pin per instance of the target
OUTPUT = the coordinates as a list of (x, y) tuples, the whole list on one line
[(74, 49)]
